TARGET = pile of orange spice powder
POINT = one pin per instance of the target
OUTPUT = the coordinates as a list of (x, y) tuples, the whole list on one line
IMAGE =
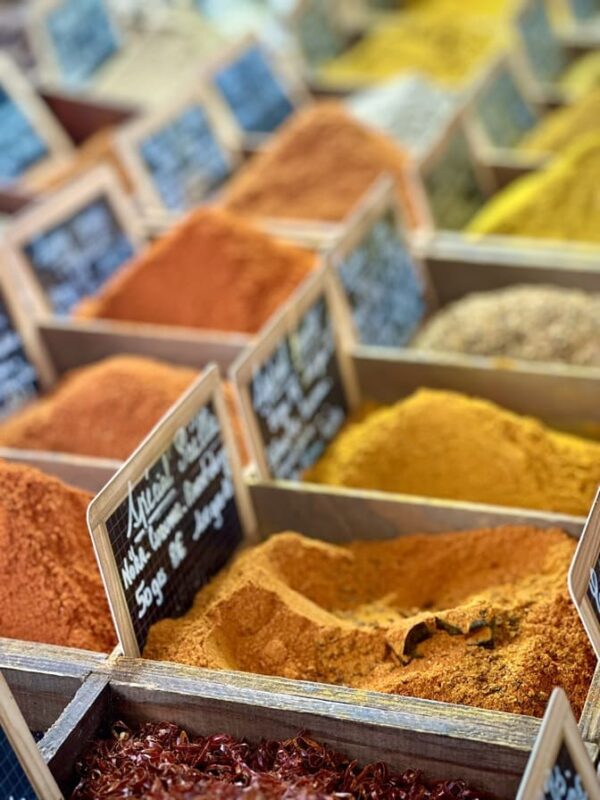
[(480, 618), (50, 586), (212, 271), (317, 167)]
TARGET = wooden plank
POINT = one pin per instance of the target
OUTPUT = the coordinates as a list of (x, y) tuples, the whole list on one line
[(84, 472)]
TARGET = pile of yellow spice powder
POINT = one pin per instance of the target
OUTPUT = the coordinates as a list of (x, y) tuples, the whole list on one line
[(480, 618)]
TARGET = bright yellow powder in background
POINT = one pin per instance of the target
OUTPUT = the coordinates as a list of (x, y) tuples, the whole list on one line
[(560, 202), (480, 8), (445, 46), (447, 445), (582, 76), (560, 128)]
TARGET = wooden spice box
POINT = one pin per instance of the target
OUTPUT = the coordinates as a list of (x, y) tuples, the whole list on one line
[(491, 753)]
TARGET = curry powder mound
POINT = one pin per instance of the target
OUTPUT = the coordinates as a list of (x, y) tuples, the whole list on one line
[(447, 445), (560, 128), (50, 586), (480, 618)]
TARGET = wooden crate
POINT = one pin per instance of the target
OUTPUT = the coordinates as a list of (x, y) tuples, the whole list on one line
[(486, 750)]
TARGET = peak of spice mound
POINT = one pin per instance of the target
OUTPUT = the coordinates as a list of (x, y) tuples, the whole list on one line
[(161, 760), (211, 271), (50, 587), (102, 410), (318, 167), (561, 201), (481, 618), (561, 127), (448, 445), (536, 323)]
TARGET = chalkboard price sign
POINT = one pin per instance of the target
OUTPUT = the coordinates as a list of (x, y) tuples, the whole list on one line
[(503, 110), (545, 53), (14, 782), (584, 576), (453, 185), (559, 767), (256, 94), (318, 30), (169, 519), (584, 10), (82, 36), (379, 275), (295, 385), (19, 380), (20, 144)]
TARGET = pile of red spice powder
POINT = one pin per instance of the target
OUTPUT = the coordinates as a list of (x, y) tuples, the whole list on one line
[(212, 271), (160, 761), (50, 586)]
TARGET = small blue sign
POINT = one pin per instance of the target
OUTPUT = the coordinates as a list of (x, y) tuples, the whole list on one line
[(14, 783), (18, 376), (546, 54), (75, 258), (253, 91), (585, 9), (83, 37), (503, 110), (20, 145), (185, 160)]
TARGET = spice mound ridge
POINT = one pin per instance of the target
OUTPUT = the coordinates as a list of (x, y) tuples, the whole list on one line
[(212, 271), (102, 410), (478, 617), (162, 760), (50, 587), (448, 445), (318, 167)]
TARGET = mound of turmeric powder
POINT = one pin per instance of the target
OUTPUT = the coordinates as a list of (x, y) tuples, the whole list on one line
[(560, 128), (480, 618), (317, 167), (448, 445), (560, 202)]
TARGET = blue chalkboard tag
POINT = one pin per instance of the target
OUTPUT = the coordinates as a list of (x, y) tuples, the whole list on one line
[(256, 88), (584, 576), (584, 10), (23, 773), (296, 382), (381, 279), (74, 39), (178, 157), (30, 136), (71, 243), (318, 30), (559, 767), (501, 108), (546, 55), (172, 516)]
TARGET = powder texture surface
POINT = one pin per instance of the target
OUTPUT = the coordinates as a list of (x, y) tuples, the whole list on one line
[(317, 167), (479, 618), (103, 410), (213, 271), (561, 201), (50, 587), (537, 323), (448, 445), (560, 128)]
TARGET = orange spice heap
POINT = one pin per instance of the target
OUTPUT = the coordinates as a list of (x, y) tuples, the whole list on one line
[(212, 271), (481, 618), (50, 587), (318, 167)]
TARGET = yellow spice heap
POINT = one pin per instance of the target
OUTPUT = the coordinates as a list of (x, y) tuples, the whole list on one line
[(560, 128), (443, 45), (561, 201), (447, 445)]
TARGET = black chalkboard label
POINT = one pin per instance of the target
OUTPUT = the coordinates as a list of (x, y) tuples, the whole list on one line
[(298, 395), (83, 37), (255, 94), (73, 259), (545, 52), (18, 375), (585, 9), (185, 159), (503, 110), (454, 190), (564, 782), (21, 147), (14, 783), (175, 520), (320, 36), (382, 286)]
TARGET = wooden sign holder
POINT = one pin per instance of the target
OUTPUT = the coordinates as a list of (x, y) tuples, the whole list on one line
[(558, 728), (39, 116), (129, 139), (101, 182), (580, 574), (24, 747), (206, 388), (321, 284)]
